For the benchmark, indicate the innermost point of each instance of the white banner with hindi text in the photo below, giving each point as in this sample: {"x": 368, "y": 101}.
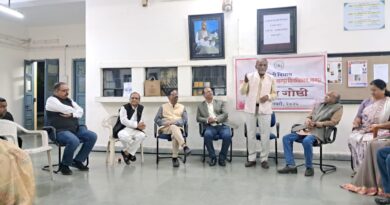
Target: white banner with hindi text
{"x": 300, "y": 80}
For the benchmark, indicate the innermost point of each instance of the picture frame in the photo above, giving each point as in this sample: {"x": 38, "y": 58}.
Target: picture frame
{"x": 206, "y": 36}
{"x": 277, "y": 30}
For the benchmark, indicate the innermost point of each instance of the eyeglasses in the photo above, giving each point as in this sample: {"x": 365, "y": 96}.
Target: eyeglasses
{"x": 134, "y": 98}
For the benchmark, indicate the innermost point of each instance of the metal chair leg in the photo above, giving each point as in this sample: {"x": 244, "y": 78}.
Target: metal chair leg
{"x": 231, "y": 152}
{"x": 142, "y": 153}
{"x": 276, "y": 151}
{"x": 204, "y": 152}
{"x": 157, "y": 152}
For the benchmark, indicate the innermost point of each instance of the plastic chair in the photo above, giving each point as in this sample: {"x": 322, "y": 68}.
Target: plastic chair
{"x": 168, "y": 137}
{"x": 201, "y": 133}
{"x": 9, "y": 128}
{"x": 271, "y": 137}
{"x": 109, "y": 124}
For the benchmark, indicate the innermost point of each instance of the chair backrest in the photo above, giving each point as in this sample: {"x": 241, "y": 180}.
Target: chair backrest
{"x": 110, "y": 122}
{"x": 9, "y": 129}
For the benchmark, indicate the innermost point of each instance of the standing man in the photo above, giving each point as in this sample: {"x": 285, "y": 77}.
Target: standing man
{"x": 129, "y": 127}
{"x": 64, "y": 114}
{"x": 5, "y": 115}
{"x": 260, "y": 89}
{"x": 171, "y": 118}
{"x": 212, "y": 114}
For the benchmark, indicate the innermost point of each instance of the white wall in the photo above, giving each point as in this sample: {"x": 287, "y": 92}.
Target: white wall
{"x": 47, "y": 42}
{"x": 63, "y": 42}
{"x": 11, "y": 67}
{"x": 121, "y": 33}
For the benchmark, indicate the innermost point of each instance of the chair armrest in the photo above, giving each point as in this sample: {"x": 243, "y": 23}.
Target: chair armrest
{"x": 51, "y": 132}
{"x": 277, "y": 129}
{"x": 232, "y": 131}
{"x": 245, "y": 130}
{"x": 155, "y": 130}
{"x": 201, "y": 129}
{"x": 186, "y": 129}
{"x": 332, "y": 132}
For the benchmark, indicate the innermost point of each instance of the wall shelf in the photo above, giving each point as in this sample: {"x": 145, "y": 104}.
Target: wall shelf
{"x": 157, "y": 99}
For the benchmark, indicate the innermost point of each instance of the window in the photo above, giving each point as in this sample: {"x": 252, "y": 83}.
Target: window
{"x": 209, "y": 76}
{"x": 166, "y": 75}
{"x": 113, "y": 79}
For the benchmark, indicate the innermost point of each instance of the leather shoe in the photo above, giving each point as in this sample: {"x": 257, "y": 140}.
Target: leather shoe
{"x": 382, "y": 201}
{"x": 65, "y": 170}
{"x": 265, "y": 165}
{"x": 250, "y": 164}
{"x": 175, "y": 162}
{"x": 309, "y": 172}
{"x": 79, "y": 165}
{"x": 222, "y": 163}
{"x": 132, "y": 158}
{"x": 213, "y": 162}
{"x": 125, "y": 157}
{"x": 288, "y": 170}
{"x": 187, "y": 150}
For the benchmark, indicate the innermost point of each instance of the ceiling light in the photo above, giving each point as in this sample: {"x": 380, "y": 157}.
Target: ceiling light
{"x": 10, "y": 11}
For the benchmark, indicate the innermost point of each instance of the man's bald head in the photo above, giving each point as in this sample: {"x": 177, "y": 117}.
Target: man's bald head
{"x": 332, "y": 97}
{"x": 261, "y": 66}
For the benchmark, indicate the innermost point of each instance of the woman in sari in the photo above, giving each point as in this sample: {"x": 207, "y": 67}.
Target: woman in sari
{"x": 16, "y": 175}
{"x": 367, "y": 180}
{"x": 375, "y": 110}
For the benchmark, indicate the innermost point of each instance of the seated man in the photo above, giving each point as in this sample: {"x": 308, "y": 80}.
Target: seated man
{"x": 171, "y": 118}
{"x": 213, "y": 115}
{"x": 324, "y": 114}
{"x": 383, "y": 161}
{"x": 129, "y": 127}
{"x": 5, "y": 115}
{"x": 63, "y": 114}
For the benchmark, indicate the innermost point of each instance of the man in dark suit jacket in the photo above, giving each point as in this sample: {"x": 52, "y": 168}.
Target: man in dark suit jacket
{"x": 213, "y": 115}
{"x": 5, "y": 115}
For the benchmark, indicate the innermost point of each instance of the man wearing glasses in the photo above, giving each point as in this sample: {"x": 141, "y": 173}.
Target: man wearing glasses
{"x": 129, "y": 127}
{"x": 171, "y": 118}
{"x": 64, "y": 114}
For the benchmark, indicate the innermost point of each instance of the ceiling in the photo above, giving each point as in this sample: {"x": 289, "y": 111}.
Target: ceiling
{"x": 47, "y": 12}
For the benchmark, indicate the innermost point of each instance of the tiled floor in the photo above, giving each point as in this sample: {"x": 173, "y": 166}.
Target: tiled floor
{"x": 192, "y": 183}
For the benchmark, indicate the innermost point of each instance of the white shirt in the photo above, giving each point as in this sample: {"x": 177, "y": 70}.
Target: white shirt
{"x": 132, "y": 123}
{"x": 55, "y": 105}
{"x": 210, "y": 108}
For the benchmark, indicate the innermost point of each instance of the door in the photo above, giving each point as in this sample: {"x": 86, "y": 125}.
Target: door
{"x": 79, "y": 85}
{"x": 29, "y": 99}
{"x": 51, "y": 78}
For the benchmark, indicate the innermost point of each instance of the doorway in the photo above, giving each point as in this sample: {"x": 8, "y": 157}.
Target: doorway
{"x": 79, "y": 85}
{"x": 39, "y": 79}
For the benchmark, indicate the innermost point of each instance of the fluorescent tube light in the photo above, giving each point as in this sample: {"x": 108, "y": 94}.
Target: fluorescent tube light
{"x": 11, "y": 12}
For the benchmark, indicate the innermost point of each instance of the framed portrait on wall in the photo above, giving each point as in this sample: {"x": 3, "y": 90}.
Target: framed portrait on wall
{"x": 206, "y": 33}
{"x": 277, "y": 30}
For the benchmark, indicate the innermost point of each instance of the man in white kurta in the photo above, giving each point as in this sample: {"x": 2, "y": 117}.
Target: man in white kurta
{"x": 259, "y": 89}
{"x": 132, "y": 134}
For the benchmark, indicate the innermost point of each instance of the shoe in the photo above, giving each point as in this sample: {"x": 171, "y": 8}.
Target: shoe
{"x": 250, "y": 164}
{"x": 288, "y": 170}
{"x": 79, "y": 165}
{"x": 265, "y": 165}
{"x": 382, "y": 201}
{"x": 65, "y": 170}
{"x": 175, "y": 162}
{"x": 222, "y": 163}
{"x": 125, "y": 157}
{"x": 213, "y": 162}
{"x": 132, "y": 158}
{"x": 309, "y": 172}
{"x": 187, "y": 150}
